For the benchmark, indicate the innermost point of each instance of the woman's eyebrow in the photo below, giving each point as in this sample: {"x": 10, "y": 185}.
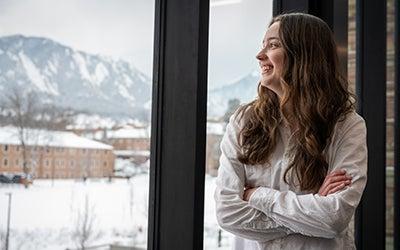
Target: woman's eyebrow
{"x": 271, "y": 38}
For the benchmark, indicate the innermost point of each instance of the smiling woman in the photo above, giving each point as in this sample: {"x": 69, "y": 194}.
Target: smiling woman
{"x": 294, "y": 161}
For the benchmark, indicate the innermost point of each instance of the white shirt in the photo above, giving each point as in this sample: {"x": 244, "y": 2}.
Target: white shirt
{"x": 280, "y": 216}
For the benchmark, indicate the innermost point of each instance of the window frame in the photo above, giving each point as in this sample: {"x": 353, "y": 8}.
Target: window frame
{"x": 178, "y": 128}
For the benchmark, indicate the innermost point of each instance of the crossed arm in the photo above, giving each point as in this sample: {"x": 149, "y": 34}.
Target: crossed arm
{"x": 269, "y": 214}
{"x": 334, "y": 182}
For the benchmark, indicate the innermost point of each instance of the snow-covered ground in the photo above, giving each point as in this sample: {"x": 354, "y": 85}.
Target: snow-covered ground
{"x": 50, "y": 215}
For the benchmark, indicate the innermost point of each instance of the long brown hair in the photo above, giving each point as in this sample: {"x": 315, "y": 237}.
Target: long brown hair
{"x": 315, "y": 98}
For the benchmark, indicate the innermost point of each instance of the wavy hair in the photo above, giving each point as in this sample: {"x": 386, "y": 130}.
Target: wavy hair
{"x": 315, "y": 97}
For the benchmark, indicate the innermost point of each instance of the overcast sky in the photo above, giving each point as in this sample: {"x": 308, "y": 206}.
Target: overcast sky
{"x": 124, "y": 29}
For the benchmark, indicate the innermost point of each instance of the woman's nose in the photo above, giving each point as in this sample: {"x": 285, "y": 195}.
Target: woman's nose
{"x": 261, "y": 55}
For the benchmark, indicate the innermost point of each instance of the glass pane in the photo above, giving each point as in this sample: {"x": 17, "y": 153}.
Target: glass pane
{"x": 389, "y": 124}
{"x": 75, "y": 80}
{"x": 236, "y": 32}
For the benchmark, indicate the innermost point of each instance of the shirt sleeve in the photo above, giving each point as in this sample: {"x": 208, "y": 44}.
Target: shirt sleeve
{"x": 233, "y": 214}
{"x": 322, "y": 216}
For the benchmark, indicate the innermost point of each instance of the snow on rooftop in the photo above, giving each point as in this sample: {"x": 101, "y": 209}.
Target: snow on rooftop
{"x": 132, "y": 152}
{"x": 129, "y": 133}
{"x": 36, "y": 137}
{"x": 84, "y": 121}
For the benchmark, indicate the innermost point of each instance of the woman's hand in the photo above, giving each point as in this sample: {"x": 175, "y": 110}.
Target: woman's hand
{"x": 248, "y": 191}
{"x": 334, "y": 182}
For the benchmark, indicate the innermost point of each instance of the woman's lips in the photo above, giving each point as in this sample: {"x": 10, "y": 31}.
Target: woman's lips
{"x": 266, "y": 68}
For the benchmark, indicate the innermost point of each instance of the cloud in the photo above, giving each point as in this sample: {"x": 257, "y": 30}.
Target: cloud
{"x": 118, "y": 28}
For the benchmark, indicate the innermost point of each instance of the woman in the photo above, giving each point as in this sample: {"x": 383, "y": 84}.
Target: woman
{"x": 294, "y": 161}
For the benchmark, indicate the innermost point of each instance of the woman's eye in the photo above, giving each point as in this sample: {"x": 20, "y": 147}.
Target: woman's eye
{"x": 273, "y": 45}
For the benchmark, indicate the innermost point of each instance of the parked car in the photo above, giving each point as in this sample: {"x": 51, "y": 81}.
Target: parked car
{"x": 5, "y": 178}
{"x": 19, "y": 178}
{"x": 22, "y": 178}
{"x": 16, "y": 178}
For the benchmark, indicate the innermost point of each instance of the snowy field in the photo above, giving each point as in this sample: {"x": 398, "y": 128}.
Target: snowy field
{"x": 60, "y": 214}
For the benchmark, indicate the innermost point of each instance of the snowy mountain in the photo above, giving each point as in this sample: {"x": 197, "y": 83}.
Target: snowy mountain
{"x": 244, "y": 89}
{"x": 73, "y": 79}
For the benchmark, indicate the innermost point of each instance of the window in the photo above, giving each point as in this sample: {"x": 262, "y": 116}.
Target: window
{"x": 233, "y": 74}
{"x": 95, "y": 80}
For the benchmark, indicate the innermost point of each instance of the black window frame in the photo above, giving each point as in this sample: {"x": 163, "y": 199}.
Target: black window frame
{"x": 178, "y": 141}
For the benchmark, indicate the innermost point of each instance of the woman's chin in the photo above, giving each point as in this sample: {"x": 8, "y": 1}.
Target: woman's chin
{"x": 265, "y": 83}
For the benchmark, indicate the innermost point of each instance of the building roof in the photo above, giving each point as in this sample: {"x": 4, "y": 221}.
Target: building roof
{"x": 37, "y": 137}
{"x": 128, "y": 133}
{"x": 128, "y": 153}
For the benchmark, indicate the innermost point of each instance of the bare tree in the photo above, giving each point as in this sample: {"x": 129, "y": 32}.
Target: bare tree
{"x": 52, "y": 117}
{"x": 84, "y": 231}
{"x": 23, "y": 108}
{"x": 25, "y": 112}
{"x": 233, "y": 104}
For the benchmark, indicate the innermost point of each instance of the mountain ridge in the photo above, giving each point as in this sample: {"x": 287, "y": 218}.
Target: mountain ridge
{"x": 244, "y": 89}
{"x": 72, "y": 78}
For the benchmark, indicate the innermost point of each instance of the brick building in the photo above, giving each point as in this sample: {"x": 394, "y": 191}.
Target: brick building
{"x": 130, "y": 143}
{"x": 54, "y": 154}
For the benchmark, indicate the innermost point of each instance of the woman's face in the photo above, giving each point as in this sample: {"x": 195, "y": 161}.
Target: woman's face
{"x": 271, "y": 59}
